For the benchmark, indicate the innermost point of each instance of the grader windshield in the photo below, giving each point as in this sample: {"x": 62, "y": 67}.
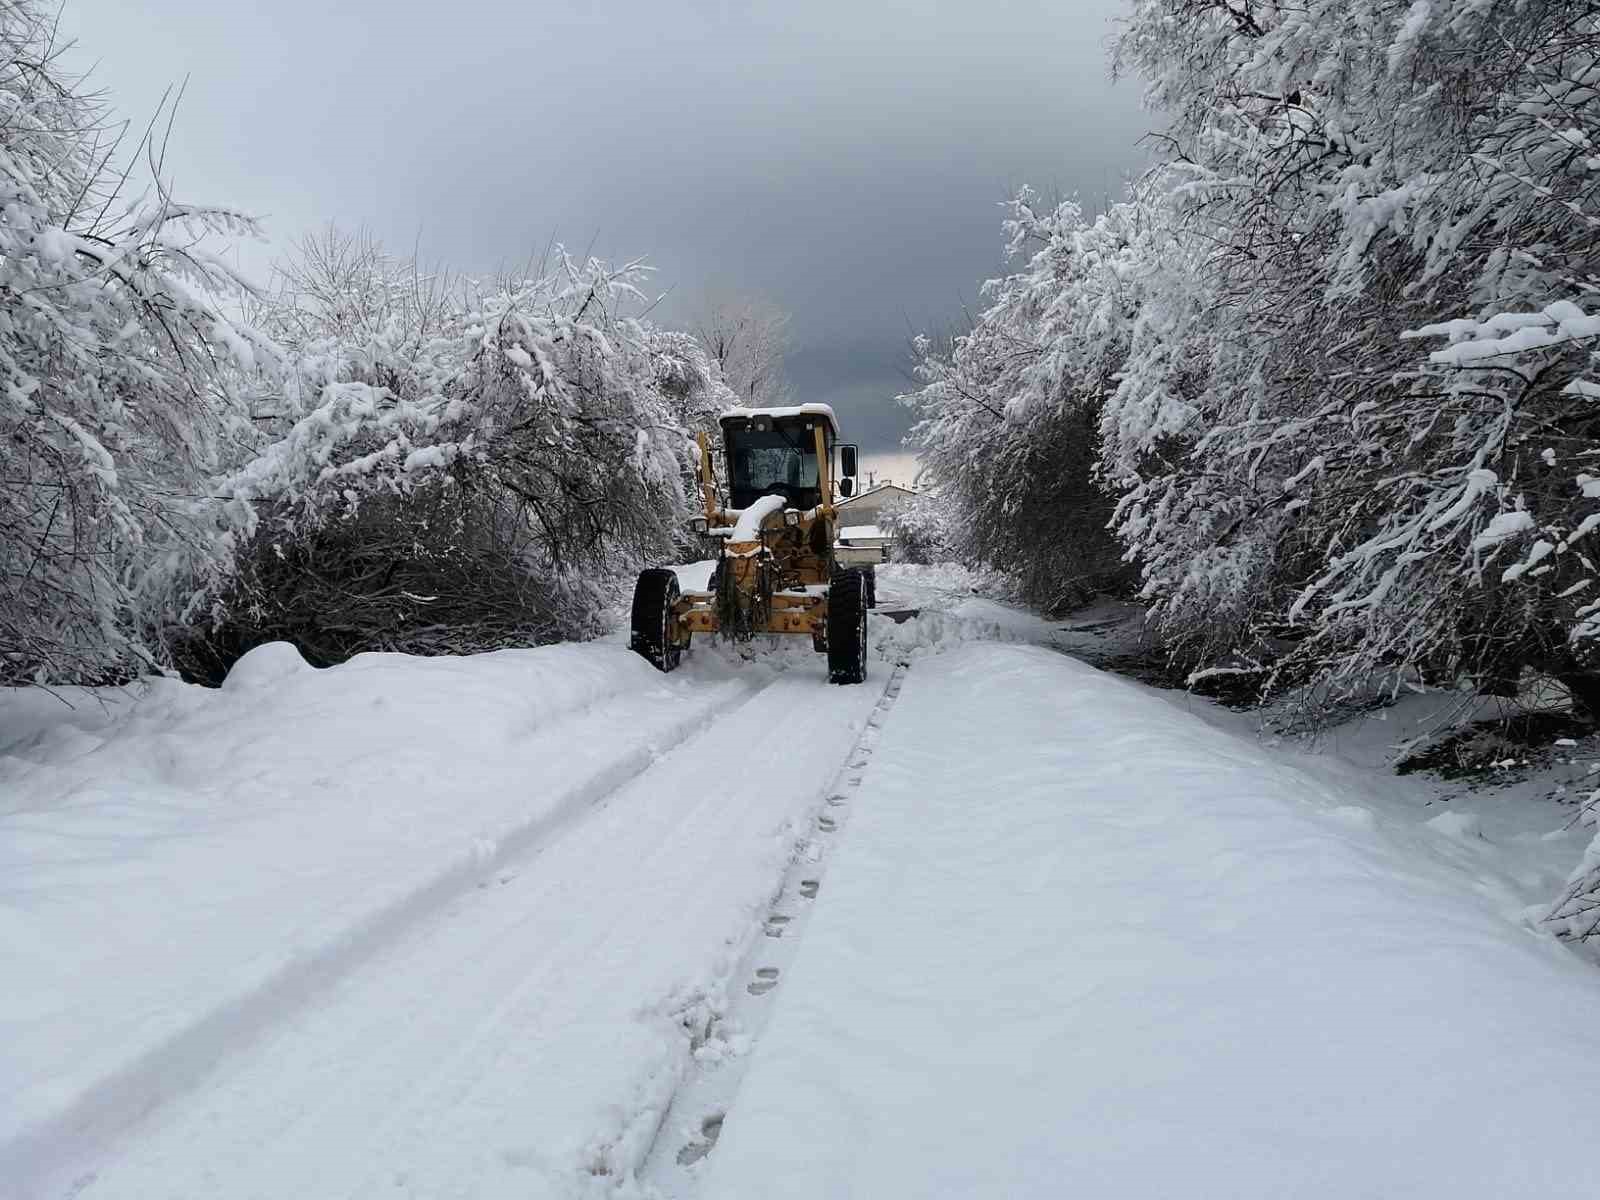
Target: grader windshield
{"x": 773, "y": 462}
{"x": 769, "y": 456}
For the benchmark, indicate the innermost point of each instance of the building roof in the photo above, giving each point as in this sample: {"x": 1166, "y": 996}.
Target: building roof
{"x": 877, "y": 491}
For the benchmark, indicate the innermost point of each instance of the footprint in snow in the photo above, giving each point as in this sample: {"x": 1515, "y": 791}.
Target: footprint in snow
{"x": 766, "y": 980}
{"x": 808, "y": 888}
{"x": 827, "y": 824}
{"x": 775, "y": 925}
{"x": 694, "y": 1151}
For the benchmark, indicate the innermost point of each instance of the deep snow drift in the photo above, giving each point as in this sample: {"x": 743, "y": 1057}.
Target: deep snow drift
{"x": 1079, "y": 942}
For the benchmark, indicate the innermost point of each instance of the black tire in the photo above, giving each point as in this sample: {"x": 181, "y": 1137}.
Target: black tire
{"x": 847, "y": 628}
{"x": 653, "y": 598}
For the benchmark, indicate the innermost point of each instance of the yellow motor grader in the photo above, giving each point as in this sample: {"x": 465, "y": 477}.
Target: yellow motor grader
{"x": 775, "y": 570}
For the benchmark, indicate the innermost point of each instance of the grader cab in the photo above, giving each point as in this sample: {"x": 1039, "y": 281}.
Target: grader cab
{"x": 774, "y": 540}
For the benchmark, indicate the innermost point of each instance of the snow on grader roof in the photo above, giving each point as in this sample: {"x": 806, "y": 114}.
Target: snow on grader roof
{"x": 793, "y": 410}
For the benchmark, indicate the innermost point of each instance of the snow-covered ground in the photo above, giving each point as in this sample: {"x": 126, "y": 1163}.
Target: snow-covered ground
{"x": 548, "y": 923}
{"x": 1078, "y": 942}
{"x": 192, "y": 873}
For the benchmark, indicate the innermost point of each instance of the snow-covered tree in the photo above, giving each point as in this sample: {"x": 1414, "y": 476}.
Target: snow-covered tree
{"x": 345, "y": 310}
{"x": 1470, "y": 546}
{"x": 691, "y": 380}
{"x": 747, "y": 338}
{"x": 1347, "y": 179}
{"x": 1335, "y": 354}
{"x": 118, "y": 370}
{"x": 1010, "y": 409}
{"x": 457, "y": 464}
{"x": 920, "y": 528}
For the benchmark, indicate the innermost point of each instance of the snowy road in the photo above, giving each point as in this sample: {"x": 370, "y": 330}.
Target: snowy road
{"x": 549, "y": 924}
{"x": 541, "y": 1020}
{"x": 481, "y": 979}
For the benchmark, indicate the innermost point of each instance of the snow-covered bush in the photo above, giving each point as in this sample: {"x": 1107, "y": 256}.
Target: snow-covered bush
{"x": 1009, "y": 411}
{"x": 1575, "y": 916}
{"x": 118, "y": 371}
{"x": 457, "y": 465}
{"x": 691, "y": 380}
{"x": 696, "y": 394}
{"x": 1470, "y": 547}
{"x": 920, "y": 528}
{"x": 1335, "y": 354}
{"x": 1345, "y": 180}
{"x": 435, "y": 569}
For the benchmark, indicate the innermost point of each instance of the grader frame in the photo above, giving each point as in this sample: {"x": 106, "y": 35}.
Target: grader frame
{"x": 775, "y": 570}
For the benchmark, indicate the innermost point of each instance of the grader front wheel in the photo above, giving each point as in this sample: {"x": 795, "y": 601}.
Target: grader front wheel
{"x": 653, "y": 598}
{"x": 847, "y": 628}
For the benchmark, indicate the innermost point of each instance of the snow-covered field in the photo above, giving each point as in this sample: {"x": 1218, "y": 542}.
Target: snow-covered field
{"x": 548, "y": 923}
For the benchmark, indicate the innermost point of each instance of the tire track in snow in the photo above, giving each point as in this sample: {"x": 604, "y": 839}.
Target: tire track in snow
{"x": 689, "y": 1129}
{"x": 529, "y": 1037}
{"x": 46, "y": 1159}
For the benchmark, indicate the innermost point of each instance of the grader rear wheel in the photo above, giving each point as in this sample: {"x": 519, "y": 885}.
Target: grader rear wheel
{"x": 847, "y": 628}
{"x": 653, "y": 598}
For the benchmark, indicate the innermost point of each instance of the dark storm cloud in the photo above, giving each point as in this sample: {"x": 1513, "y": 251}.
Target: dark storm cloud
{"x": 844, "y": 160}
{"x": 860, "y": 377}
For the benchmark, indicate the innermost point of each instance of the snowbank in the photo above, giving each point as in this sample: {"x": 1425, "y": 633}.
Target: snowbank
{"x": 925, "y": 610}
{"x": 950, "y": 579}
{"x": 931, "y": 631}
{"x": 1081, "y": 942}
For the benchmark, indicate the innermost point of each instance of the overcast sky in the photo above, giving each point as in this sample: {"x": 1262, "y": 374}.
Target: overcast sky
{"x": 844, "y": 159}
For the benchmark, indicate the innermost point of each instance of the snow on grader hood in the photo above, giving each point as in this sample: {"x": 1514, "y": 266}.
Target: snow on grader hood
{"x": 773, "y": 527}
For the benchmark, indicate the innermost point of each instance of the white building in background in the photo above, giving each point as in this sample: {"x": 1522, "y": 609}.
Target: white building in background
{"x": 866, "y": 507}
